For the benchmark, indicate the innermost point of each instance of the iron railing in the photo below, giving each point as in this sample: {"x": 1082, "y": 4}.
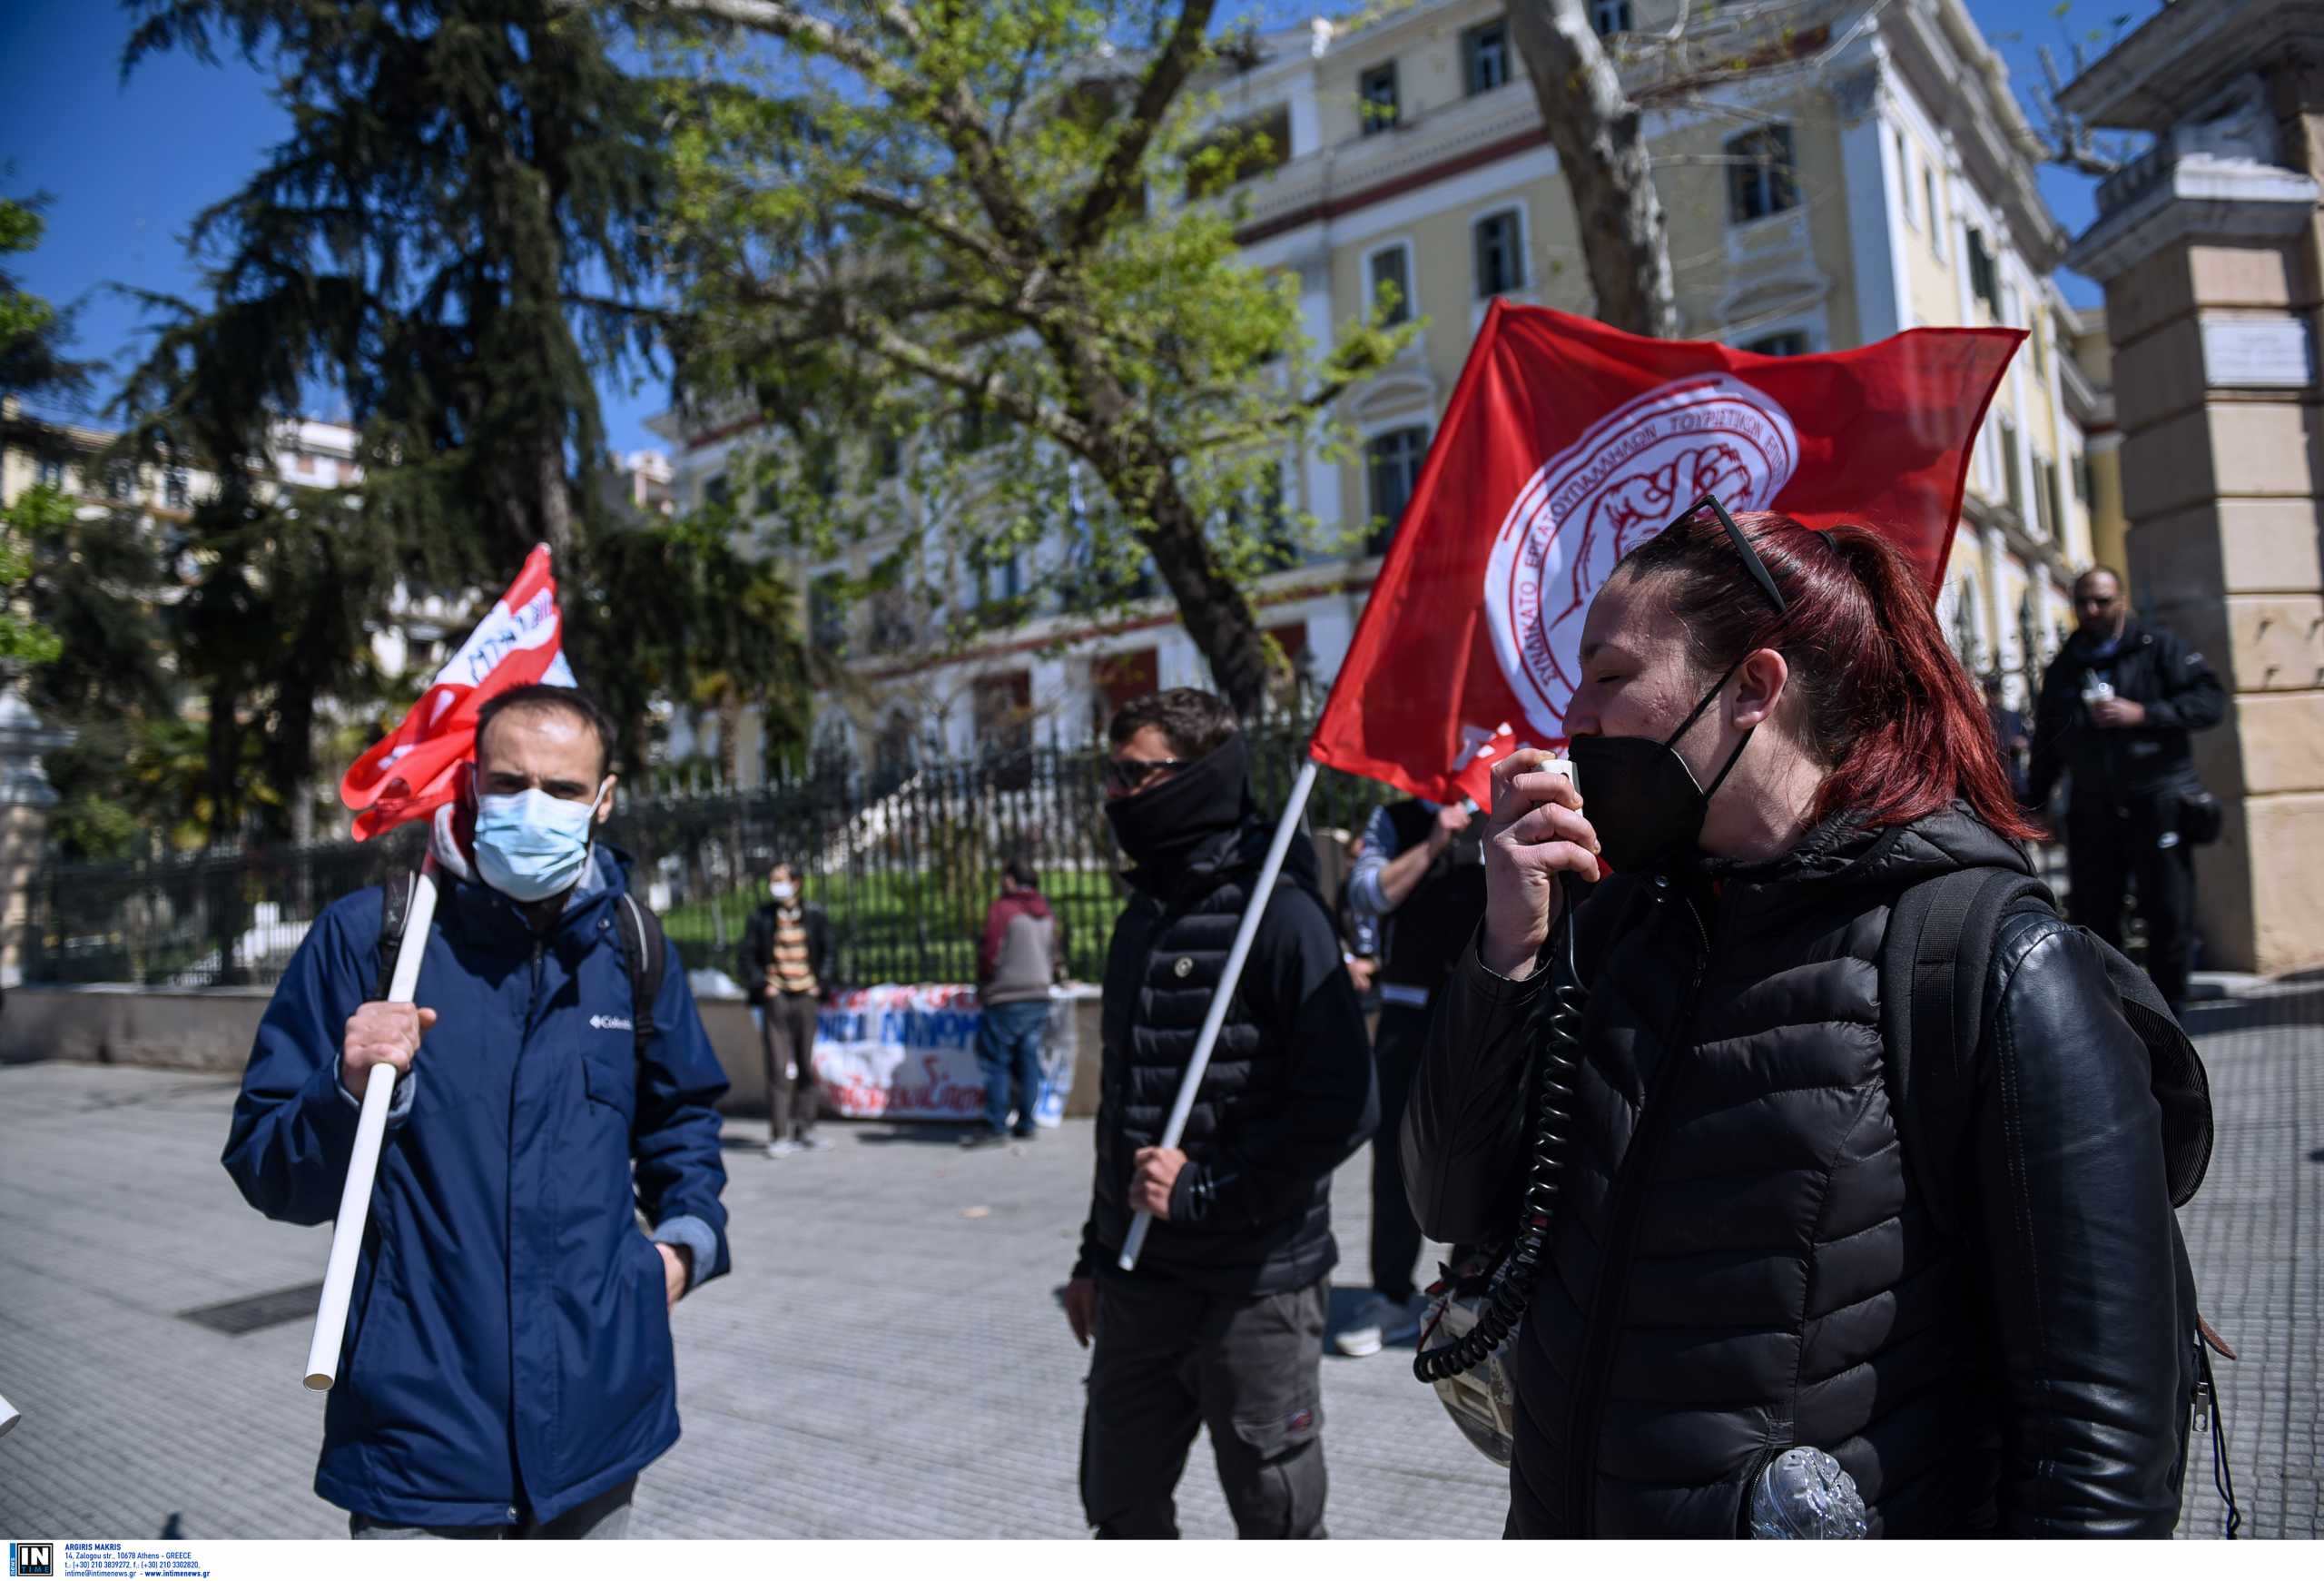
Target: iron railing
{"x": 904, "y": 865}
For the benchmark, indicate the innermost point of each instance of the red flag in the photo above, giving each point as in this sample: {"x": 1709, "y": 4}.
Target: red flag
{"x": 416, "y": 768}
{"x": 1474, "y": 778}
{"x": 1566, "y": 443}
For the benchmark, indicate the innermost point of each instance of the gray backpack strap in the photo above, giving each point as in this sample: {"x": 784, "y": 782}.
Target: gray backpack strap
{"x": 395, "y": 917}
{"x": 646, "y": 954}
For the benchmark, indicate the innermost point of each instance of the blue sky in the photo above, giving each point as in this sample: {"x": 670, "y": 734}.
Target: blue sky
{"x": 129, "y": 165}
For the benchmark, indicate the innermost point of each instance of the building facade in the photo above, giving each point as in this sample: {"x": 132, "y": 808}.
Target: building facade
{"x": 1868, "y": 173}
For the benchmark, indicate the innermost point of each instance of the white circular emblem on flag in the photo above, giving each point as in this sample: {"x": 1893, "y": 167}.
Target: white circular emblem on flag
{"x": 1614, "y": 488}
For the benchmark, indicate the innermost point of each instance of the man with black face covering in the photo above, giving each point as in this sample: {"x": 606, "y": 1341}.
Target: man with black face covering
{"x": 1222, "y": 1322}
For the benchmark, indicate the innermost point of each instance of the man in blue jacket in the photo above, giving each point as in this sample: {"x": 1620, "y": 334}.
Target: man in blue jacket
{"x": 508, "y": 1368}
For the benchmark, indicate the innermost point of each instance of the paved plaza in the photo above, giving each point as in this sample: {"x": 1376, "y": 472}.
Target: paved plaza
{"x": 889, "y": 1358}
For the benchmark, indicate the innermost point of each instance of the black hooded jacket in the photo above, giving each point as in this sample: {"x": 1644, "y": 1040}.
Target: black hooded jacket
{"x": 2112, "y": 768}
{"x": 1289, "y": 1093}
{"x": 1741, "y": 1260}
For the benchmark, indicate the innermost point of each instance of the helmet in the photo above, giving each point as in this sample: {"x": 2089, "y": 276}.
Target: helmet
{"x": 1482, "y": 1401}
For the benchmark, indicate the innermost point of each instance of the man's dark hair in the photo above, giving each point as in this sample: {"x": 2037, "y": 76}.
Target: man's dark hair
{"x": 552, "y": 699}
{"x": 1197, "y": 723}
{"x": 2097, "y": 571}
{"x": 1019, "y": 870}
{"x": 783, "y": 859}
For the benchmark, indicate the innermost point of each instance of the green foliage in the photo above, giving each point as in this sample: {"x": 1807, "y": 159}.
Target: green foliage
{"x": 984, "y": 235}
{"x": 33, "y": 334}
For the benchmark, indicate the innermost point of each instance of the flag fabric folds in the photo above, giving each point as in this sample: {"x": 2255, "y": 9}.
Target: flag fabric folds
{"x": 415, "y": 769}
{"x": 1566, "y": 443}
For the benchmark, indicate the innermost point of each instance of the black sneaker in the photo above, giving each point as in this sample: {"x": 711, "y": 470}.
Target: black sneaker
{"x": 976, "y": 1139}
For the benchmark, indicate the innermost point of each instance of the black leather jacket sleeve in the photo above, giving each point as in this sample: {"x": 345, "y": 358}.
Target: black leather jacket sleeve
{"x": 2079, "y": 1248}
{"x": 1464, "y": 1141}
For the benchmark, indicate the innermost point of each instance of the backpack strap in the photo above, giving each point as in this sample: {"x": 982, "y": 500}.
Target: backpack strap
{"x": 394, "y": 915}
{"x": 1933, "y": 964}
{"x": 646, "y": 955}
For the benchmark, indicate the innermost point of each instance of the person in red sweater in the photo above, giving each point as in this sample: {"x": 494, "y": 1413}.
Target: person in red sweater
{"x": 1020, "y": 955}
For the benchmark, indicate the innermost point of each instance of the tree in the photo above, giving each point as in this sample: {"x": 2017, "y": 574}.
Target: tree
{"x": 990, "y": 246}
{"x": 33, "y": 362}
{"x": 455, "y": 237}
{"x": 1599, "y": 132}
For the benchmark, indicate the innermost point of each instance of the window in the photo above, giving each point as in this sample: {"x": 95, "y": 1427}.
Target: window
{"x": 827, "y": 613}
{"x": 1913, "y": 216}
{"x": 999, "y": 575}
{"x": 2009, "y": 479}
{"x": 1790, "y": 343}
{"x": 1237, "y": 153}
{"x": 1390, "y": 267}
{"x": 1610, "y": 16}
{"x": 1118, "y": 679}
{"x": 891, "y": 455}
{"x": 1984, "y": 283}
{"x": 1484, "y": 56}
{"x": 1500, "y": 254}
{"x": 2037, "y": 340}
{"x": 1003, "y": 711}
{"x": 1391, "y": 462}
{"x": 121, "y": 482}
{"x": 1378, "y": 89}
{"x": 52, "y": 472}
{"x": 1928, "y": 207}
{"x": 2048, "y": 497}
{"x": 176, "y": 492}
{"x": 717, "y": 491}
{"x": 1761, "y": 180}
{"x": 2081, "y": 480}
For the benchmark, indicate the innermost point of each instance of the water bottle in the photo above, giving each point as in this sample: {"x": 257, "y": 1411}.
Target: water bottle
{"x": 2096, "y": 687}
{"x": 1805, "y": 1493}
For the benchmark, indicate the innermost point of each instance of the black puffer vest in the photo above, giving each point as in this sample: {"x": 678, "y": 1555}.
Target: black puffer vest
{"x": 1168, "y": 952}
{"x": 1739, "y": 1265}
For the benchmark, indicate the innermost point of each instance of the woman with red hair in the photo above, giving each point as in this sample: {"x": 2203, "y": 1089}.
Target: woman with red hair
{"x": 1773, "y": 743}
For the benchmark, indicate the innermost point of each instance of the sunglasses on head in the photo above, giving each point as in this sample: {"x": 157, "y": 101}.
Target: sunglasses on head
{"x": 1751, "y": 561}
{"x": 1127, "y": 775}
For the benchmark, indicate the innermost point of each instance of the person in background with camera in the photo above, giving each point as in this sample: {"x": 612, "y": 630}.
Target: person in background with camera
{"x": 1221, "y": 1322}
{"x": 1421, "y": 882}
{"x": 786, "y": 965}
{"x": 1773, "y": 749}
{"x": 2118, "y": 706}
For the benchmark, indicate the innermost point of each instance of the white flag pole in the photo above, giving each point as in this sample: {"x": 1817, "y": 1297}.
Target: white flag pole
{"x": 1261, "y": 893}
{"x": 363, "y": 1168}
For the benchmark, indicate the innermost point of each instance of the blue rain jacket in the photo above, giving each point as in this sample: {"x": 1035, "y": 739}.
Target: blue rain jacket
{"x": 507, "y": 1347}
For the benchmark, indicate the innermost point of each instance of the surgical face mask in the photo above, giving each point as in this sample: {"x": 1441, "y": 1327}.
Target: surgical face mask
{"x": 781, "y": 891}
{"x": 531, "y": 846}
{"x": 1643, "y": 798}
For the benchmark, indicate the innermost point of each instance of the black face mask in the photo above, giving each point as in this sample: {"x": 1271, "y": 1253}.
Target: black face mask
{"x": 1161, "y": 827}
{"x": 1640, "y": 797}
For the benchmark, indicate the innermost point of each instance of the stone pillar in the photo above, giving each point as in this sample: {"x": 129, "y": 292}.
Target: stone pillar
{"x": 2208, "y": 250}
{"x": 26, "y": 796}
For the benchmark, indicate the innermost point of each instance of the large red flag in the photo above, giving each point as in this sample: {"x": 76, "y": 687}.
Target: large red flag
{"x": 414, "y": 769}
{"x": 1566, "y": 443}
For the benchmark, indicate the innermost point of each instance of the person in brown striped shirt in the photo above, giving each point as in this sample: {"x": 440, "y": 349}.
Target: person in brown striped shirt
{"x": 786, "y": 965}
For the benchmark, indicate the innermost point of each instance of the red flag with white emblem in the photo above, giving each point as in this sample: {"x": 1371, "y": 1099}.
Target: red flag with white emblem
{"x": 1568, "y": 442}
{"x": 414, "y": 769}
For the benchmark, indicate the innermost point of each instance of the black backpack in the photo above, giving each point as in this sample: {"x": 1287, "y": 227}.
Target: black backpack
{"x": 1935, "y": 962}
{"x": 644, "y": 951}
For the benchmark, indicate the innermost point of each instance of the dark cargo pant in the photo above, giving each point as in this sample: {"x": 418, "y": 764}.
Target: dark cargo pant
{"x": 1167, "y": 1359}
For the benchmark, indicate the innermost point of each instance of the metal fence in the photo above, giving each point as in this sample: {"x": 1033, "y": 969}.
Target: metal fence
{"x": 904, "y": 866}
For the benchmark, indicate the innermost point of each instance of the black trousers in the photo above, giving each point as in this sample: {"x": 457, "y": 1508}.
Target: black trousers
{"x": 2108, "y": 846}
{"x": 1395, "y": 1233}
{"x": 787, "y": 1041}
{"x": 1166, "y": 1360}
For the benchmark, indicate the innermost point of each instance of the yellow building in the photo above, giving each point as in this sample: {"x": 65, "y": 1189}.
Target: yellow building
{"x": 1869, "y": 172}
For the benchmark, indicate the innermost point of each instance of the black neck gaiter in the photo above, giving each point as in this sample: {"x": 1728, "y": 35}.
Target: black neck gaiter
{"x": 1161, "y": 828}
